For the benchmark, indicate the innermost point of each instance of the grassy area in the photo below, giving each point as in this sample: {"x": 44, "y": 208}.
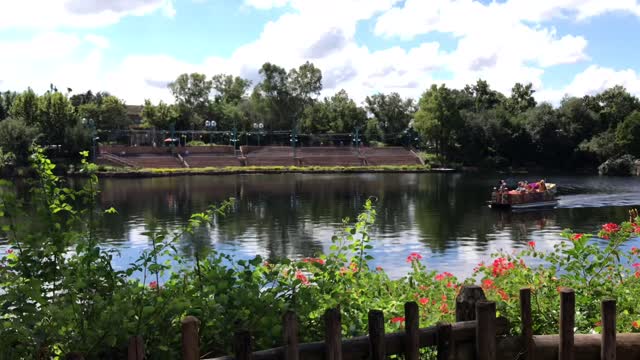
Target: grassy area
{"x": 106, "y": 171}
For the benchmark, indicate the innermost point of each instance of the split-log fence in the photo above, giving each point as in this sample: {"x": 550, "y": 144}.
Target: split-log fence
{"x": 476, "y": 334}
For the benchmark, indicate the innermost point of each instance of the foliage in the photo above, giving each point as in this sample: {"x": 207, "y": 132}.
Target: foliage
{"x": 438, "y": 118}
{"x": 628, "y": 134}
{"x": 622, "y": 166}
{"x": 16, "y": 137}
{"x": 64, "y": 295}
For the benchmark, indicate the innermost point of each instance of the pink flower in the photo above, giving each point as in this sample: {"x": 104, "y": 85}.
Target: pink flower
{"x": 636, "y": 265}
{"x": 153, "y": 284}
{"x": 424, "y": 301}
{"x": 397, "y": 319}
{"x": 300, "y": 276}
{"x": 500, "y": 266}
{"x": 532, "y": 244}
{"x": 10, "y": 251}
{"x": 414, "y": 257}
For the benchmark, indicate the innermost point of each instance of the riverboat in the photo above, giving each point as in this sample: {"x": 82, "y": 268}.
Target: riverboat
{"x": 523, "y": 200}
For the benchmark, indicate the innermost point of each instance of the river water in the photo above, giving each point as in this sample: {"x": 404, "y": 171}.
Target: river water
{"x": 444, "y": 217}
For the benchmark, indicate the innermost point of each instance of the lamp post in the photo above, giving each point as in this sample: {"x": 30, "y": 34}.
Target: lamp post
{"x": 294, "y": 140}
{"x": 258, "y": 127}
{"x": 355, "y": 138}
{"x": 92, "y": 132}
{"x": 210, "y": 124}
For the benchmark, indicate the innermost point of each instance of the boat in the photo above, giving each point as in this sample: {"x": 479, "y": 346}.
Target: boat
{"x": 524, "y": 200}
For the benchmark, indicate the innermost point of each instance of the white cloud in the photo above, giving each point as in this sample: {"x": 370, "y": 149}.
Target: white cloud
{"x": 593, "y": 80}
{"x": 55, "y": 14}
{"x": 266, "y": 4}
{"x": 66, "y": 60}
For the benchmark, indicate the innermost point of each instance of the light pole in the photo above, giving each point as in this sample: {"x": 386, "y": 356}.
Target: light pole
{"x": 258, "y": 127}
{"x": 92, "y": 132}
{"x": 210, "y": 125}
{"x": 294, "y": 140}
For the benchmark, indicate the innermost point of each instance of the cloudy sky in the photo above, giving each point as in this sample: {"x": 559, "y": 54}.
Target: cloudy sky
{"x": 132, "y": 48}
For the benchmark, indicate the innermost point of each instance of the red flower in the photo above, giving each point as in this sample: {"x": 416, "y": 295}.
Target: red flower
{"x": 487, "y": 283}
{"x": 635, "y": 250}
{"x": 300, "y": 276}
{"x": 444, "y": 297}
{"x": 424, "y": 301}
{"x": 500, "y": 266}
{"x": 444, "y": 308}
{"x": 343, "y": 270}
{"x": 637, "y": 274}
{"x": 532, "y": 244}
{"x": 635, "y": 325}
{"x": 423, "y": 287}
{"x": 609, "y": 229}
{"x": 450, "y": 285}
{"x": 313, "y": 260}
{"x": 379, "y": 268}
{"x": 10, "y": 251}
{"x": 153, "y": 285}
{"x": 443, "y": 276}
{"x": 354, "y": 267}
{"x": 576, "y": 237}
{"x": 503, "y": 294}
{"x": 414, "y": 257}
{"x": 598, "y": 323}
{"x": 397, "y": 319}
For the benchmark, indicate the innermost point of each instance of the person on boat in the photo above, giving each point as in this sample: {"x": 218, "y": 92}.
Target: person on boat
{"x": 502, "y": 186}
{"x": 542, "y": 186}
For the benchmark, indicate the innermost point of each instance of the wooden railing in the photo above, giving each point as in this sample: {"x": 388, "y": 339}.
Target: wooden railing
{"x": 476, "y": 334}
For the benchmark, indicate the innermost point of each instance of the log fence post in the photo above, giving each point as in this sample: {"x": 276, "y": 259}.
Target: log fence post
{"x": 135, "y": 351}
{"x": 527, "y": 322}
{"x": 242, "y": 345}
{"x": 412, "y": 334}
{"x": 333, "y": 335}
{"x": 567, "y": 323}
{"x": 190, "y": 339}
{"x": 376, "y": 335}
{"x": 608, "y": 349}
{"x": 291, "y": 351}
{"x": 486, "y": 330}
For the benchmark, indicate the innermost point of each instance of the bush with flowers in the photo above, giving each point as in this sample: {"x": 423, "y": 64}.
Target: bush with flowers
{"x": 61, "y": 294}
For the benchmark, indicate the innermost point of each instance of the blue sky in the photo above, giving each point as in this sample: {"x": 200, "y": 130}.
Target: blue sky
{"x": 132, "y": 48}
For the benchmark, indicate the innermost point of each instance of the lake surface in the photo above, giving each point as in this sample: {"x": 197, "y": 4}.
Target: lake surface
{"x": 444, "y": 217}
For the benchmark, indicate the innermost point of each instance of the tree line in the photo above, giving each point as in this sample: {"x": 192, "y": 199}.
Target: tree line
{"x": 475, "y": 125}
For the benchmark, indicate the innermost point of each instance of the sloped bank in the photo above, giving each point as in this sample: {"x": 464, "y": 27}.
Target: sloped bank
{"x": 144, "y": 173}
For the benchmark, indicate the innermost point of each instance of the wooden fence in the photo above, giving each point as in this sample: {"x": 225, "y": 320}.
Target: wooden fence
{"x": 476, "y": 334}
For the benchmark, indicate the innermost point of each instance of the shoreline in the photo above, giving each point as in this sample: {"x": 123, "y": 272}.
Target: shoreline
{"x": 243, "y": 170}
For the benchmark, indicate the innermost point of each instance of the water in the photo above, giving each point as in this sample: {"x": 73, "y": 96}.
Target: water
{"x": 444, "y": 217}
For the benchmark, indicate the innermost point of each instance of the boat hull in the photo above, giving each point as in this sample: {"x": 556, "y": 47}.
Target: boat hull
{"x": 525, "y": 206}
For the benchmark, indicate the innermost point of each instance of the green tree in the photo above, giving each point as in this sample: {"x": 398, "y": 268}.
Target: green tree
{"x": 392, "y": 114}
{"x": 6, "y": 101}
{"x": 288, "y": 94}
{"x": 55, "y": 115}
{"x": 521, "y": 98}
{"x": 25, "y": 107}
{"x": 113, "y": 114}
{"x": 613, "y": 106}
{"x": 16, "y": 137}
{"x": 160, "y": 116}
{"x": 628, "y": 134}
{"x": 191, "y": 92}
{"x": 229, "y": 89}
{"x": 484, "y": 98}
{"x": 438, "y": 119}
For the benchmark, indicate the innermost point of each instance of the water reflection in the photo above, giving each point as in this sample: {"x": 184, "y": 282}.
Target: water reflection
{"x": 443, "y": 216}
